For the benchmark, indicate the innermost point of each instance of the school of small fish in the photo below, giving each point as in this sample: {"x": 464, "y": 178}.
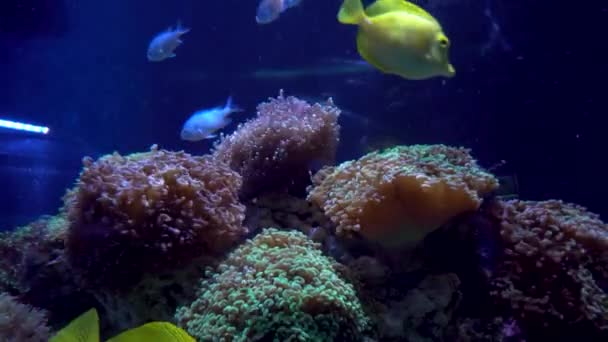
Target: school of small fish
{"x": 395, "y": 36}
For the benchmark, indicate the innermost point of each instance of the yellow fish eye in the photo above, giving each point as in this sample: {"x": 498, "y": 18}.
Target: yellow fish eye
{"x": 443, "y": 42}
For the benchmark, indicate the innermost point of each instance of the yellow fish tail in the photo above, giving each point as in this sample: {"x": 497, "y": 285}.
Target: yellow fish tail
{"x": 154, "y": 331}
{"x": 351, "y": 12}
{"x": 85, "y": 328}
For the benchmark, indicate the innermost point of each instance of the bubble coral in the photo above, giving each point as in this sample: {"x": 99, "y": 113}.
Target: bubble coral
{"x": 20, "y": 322}
{"x": 397, "y": 196}
{"x": 277, "y": 286}
{"x": 274, "y": 151}
{"x": 554, "y": 268}
{"x": 150, "y": 211}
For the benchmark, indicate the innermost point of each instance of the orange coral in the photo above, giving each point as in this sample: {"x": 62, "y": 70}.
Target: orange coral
{"x": 150, "y": 211}
{"x": 274, "y": 151}
{"x": 554, "y": 265}
{"x": 398, "y": 196}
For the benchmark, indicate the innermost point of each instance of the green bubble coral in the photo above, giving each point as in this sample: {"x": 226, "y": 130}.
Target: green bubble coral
{"x": 277, "y": 286}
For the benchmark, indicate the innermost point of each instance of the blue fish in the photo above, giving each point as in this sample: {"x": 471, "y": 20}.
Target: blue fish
{"x": 205, "y": 122}
{"x": 270, "y": 10}
{"x": 164, "y": 44}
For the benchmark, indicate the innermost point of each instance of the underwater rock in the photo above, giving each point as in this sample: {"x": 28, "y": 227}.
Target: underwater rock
{"x": 276, "y": 286}
{"x": 486, "y": 329}
{"x": 424, "y": 313}
{"x": 149, "y": 212}
{"x": 275, "y": 150}
{"x": 396, "y": 197}
{"x": 369, "y": 270}
{"x": 284, "y": 211}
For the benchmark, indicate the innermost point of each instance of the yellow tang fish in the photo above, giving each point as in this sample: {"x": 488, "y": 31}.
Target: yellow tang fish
{"x": 399, "y": 38}
{"x": 85, "y": 328}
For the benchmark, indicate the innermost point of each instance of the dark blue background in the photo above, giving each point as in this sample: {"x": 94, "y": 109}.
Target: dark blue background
{"x": 79, "y": 67}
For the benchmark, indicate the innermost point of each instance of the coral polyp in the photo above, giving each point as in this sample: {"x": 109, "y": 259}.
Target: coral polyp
{"x": 279, "y": 287}
{"x": 151, "y": 211}
{"x": 275, "y": 150}
{"x": 397, "y": 196}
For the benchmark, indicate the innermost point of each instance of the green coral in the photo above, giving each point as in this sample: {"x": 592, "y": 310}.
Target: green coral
{"x": 24, "y": 249}
{"x": 277, "y": 286}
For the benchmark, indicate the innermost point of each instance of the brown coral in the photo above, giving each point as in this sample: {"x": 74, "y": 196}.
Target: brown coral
{"x": 396, "y": 197}
{"x": 151, "y": 211}
{"x": 554, "y": 269}
{"x": 274, "y": 151}
{"x": 20, "y": 322}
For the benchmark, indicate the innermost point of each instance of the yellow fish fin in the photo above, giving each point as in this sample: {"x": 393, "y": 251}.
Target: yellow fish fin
{"x": 385, "y": 6}
{"x": 351, "y": 12}
{"x": 85, "y": 328}
{"x": 364, "y": 49}
{"x": 154, "y": 331}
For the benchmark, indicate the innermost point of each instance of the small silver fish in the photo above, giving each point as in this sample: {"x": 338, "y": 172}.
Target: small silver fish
{"x": 205, "y": 122}
{"x": 270, "y": 10}
{"x": 164, "y": 44}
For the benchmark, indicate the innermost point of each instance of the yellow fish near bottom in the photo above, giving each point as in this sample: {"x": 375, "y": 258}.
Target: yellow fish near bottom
{"x": 85, "y": 328}
{"x": 400, "y": 38}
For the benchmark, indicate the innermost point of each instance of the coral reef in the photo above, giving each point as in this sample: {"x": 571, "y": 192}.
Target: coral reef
{"x": 34, "y": 268}
{"x": 41, "y": 239}
{"x": 397, "y": 196}
{"x": 554, "y": 268}
{"x": 275, "y": 150}
{"x": 20, "y": 322}
{"x": 150, "y": 211}
{"x": 411, "y": 243}
{"x": 277, "y": 286}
